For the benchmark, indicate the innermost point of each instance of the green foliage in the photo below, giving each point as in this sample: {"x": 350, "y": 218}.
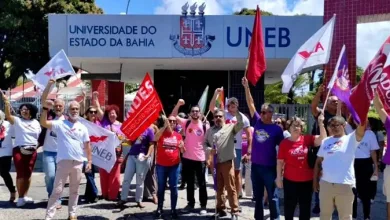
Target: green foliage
{"x": 25, "y": 22}
{"x": 246, "y": 11}
{"x": 131, "y": 87}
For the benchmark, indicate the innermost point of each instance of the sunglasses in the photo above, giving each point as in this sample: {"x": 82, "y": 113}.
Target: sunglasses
{"x": 218, "y": 116}
{"x": 278, "y": 122}
{"x": 93, "y": 112}
{"x": 172, "y": 121}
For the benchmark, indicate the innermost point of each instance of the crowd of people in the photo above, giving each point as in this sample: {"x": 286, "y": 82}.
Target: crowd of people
{"x": 338, "y": 162}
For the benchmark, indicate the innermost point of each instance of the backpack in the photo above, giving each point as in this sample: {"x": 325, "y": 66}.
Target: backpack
{"x": 188, "y": 123}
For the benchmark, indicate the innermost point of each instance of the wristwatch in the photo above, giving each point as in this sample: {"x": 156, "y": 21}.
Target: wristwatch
{"x": 44, "y": 108}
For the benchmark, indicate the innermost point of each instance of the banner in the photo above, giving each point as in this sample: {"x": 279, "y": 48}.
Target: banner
{"x": 103, "y": 144}
{"x": 384, "y": 89}
{"x": 313, "y": 53}
{"x": 58, "y": 67}
{"x": 144, "y": 110}
{"x": 256, "y": 64}
{"x": 340, "y": 85}
{"x": 363, "y": 94}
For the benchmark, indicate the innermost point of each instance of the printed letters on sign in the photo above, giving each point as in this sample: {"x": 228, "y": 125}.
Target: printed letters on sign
{"x": 384, "y": 88}
{"x": 375, "y": 76}
{"x": 143, "y": 94}
{"x": 307, "y": 54}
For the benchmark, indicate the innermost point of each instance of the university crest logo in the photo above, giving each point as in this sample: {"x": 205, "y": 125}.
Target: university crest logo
{"x": 192, "y": 40}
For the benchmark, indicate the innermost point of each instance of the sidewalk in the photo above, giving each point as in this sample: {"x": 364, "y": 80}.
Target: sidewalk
{"x": 106, "y": 210}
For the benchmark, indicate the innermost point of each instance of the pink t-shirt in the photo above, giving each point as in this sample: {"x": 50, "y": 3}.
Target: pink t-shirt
{"x": 193, "y": 142}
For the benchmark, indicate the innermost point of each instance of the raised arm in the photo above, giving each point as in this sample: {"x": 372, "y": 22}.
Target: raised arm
{"x": 240, "y": 123}
{"x": 175, "y": 110}
{"x": 7, "y": 109}
{"x": 379, "y": 108}
{"x": 43, "y": 119}
{"x": 316, "y": 100}
{"x": 360, "y": 130}
{"x": 318, "y": 138}
{"x": 96, "y": 104}
{"x": 46, "y": 91}
{"x": 248, "y": 96}
{"x": 214, "y": 99}
{"x": 157, "y": 136}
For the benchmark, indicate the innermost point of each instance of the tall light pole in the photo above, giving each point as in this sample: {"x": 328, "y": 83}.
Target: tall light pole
{"x": 127, "y": 8}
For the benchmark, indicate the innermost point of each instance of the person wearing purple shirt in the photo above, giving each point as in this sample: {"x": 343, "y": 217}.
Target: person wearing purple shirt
{"x": 386, "y": 158}
{"x": 262, "y": 153}
{"x": 138, "y": 162}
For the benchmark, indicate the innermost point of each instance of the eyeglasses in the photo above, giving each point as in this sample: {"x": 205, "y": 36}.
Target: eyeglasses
{"x": 278, "y": 122}
{"x": 218, "y": 116}
{"x": 172, "y": 121}
{"x": 93, "y": 112}
{"x": 334, "y": 125}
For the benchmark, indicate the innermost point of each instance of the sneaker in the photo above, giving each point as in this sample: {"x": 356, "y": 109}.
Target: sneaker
{"x": 158, "y": 214}
{"x": 28, "y": 199}
{"x": 187, "y": 209}
{"x": 234, "y": 217}
{"x": 316, "y": 209}
{"x": 203, "y": 211}
{"x": 174, "y": 215}
{"x": 222, "y": 213}
{"x": 21, "y": 202}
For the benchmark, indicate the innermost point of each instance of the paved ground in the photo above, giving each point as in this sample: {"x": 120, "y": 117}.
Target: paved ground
{"x": 106, "y": 210}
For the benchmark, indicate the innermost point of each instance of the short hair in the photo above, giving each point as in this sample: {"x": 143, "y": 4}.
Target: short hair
{"x": 60, "y": 100}
{"x": 195, "y": 106}
{"x": 73, "y": 103}
{"x": 182, "y": 115}
{"x": 219, "y": 110}
{"x": 233, "y": 100}
{"x": 338, "y": 119}
{"x": 268, "y": 106}
{"x": 296, "y": 119}
{"x": 32, "y": 108}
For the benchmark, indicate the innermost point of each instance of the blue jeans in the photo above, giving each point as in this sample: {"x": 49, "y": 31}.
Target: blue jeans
{"x": 91, "y": 191}
{"x": 49, "y": 163}
{"x": 264, "y": 176}
{"x": 163, "y": 173}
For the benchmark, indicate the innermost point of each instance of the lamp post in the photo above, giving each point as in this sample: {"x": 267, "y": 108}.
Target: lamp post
{"x": 127, "y": 8}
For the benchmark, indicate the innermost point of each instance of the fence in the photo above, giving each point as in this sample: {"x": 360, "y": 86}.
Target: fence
{"x": 302, "y": 111}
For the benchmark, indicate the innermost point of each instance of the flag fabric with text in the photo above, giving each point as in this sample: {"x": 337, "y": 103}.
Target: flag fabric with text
{"x": 58, "y": 67}
{"x": 384, "y": 89}
{"x": 340, "y": 83}
{"x": 313, "y": 53}
{"x": 144, "y": 110}
{"x": 372, "y": 77}
{"x": 256, "y": 64}
{"x": 203, "y": 100}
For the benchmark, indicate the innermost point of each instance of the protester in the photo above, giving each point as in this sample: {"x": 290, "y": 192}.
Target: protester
{"x": 27, "y": 130}
{"x": 169, "y": 145}
{"x": 6, "y": 134}
{"x": 138, "y": 162}
{"x": 232, "y": 109}
{"x": 336, "y": 156}
{"x": 386, "y": 157}
{"x": 110, "y": 181}
{"x": 49, "y": 143}
{"x": 293, "y": 172}
{"x": 194, "y": 157}
{"x": 262, "y": 153}
{"x": 150, "y": 189}
{"x": 220, "y": 141}
{"x": 73, "y": 139}
{"x": 284, "y": 125}
{"x": 365, "y": 158}
{"x": 91, "y": 190}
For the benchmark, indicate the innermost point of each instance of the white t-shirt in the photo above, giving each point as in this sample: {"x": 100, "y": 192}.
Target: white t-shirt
{"x": 380, "y": 136}
{"x": 26, "y": 131}
{"x": 232, "y": 119}
{"x": 348, "y": 128}
{"x": 367, "y": 144}
{"x": 339, "y": 156}
{"x": 6, "y": 146}
{"x": 50, "y": 143}
{"x": 70, "y": 138}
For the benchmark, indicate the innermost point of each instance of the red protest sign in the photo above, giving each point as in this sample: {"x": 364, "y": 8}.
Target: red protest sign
{"x": 144, "y": 110}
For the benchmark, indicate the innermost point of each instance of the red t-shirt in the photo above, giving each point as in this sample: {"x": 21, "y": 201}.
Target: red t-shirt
{"x": 168, "y": 152}
{"x": 294, "y": 154}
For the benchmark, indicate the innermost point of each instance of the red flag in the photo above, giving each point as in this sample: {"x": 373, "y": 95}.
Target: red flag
{"x": 256, "y": 64}
{"x": 144, "y": 110}
{"x": 363, "y": 94}
{"x": 384, "y": 89}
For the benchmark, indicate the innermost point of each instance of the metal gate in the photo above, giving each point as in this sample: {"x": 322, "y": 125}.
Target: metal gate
{"x": 302, "y": 111}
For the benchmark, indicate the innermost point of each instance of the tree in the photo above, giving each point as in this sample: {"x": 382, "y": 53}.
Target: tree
{"x": 25, "y": 23}
{"x": 246, "y": 11}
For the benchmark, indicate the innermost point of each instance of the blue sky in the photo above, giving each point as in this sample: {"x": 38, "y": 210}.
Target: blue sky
{"x": 149, "y": 6}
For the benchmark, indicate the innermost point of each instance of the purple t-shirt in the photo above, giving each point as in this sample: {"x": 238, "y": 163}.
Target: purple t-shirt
{"x": 265, "y": 139}
{"x": 141, "y": 145}
{"x": 116, "y": 128}
{"x": 386, "y": 157}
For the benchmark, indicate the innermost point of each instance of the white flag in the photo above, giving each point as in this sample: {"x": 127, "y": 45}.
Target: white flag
{"x": 314, "y": 52}
{"x": 58, "y": 67}
{"x": 103, "y": 144}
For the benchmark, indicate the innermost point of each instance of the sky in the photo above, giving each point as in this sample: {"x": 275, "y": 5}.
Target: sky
{"x": 370, "y": 36}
